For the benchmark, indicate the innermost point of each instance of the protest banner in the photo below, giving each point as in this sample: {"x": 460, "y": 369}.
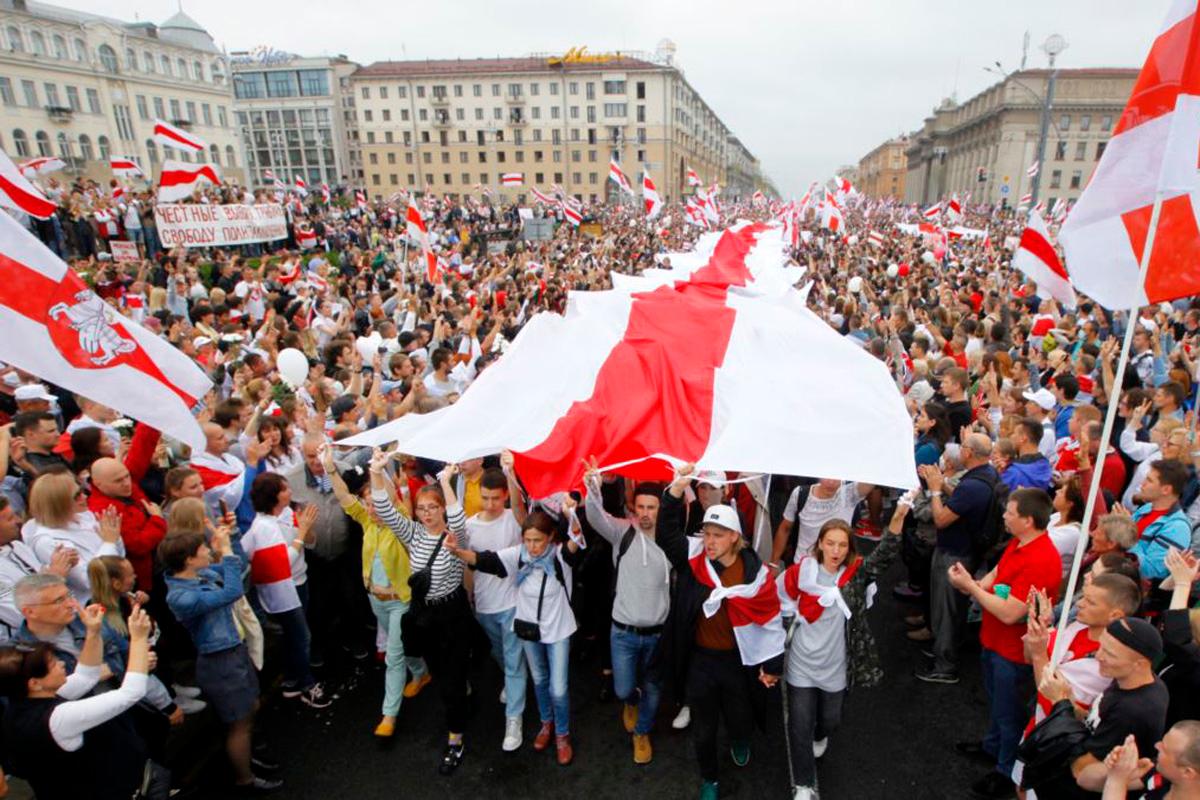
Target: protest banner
{"x": 198, "y": 225}
{"x": 123, "y": 251}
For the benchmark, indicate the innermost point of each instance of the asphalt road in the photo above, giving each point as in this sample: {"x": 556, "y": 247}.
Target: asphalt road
{"x": 896, "y": 742}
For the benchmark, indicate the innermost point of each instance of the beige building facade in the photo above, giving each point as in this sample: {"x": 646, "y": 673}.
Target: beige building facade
{"x": 456, "y": 126}
{"x": 882, "y": 172}
{"x": 985, "y": 145}
{"x": 84, "y": 87}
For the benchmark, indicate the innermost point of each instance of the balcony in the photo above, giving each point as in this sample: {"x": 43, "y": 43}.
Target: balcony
{"x": 440, "y": 100}
{"x": 186, "y": 124}
{"x": 442, "y": 120}
{"x": 60, "y": 114}
{"x": 515, "y": 99}
{"x": 517, "y": 122}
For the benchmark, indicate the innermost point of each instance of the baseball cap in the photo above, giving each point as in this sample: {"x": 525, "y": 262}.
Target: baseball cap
{"x": 724, "y": 516}
{"x": 1043, "y": 397}
{"x": 200, "y": 341}
{"x": 32, "y": 391}
{"x": 1138, "y": 635}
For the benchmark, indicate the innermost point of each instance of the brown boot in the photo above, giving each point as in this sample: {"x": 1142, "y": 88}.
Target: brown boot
{"x": 643, "y": 753}
{"x": 565, "y": 754}
{"x": 542, "y": 740}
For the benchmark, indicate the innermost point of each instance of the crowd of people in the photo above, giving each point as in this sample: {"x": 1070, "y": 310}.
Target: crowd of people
{"x": 141, "y": 582}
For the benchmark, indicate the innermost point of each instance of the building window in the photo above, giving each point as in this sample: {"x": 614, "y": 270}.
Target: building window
{"x": 466, "y": 178}
{"x": 370, "y": 137}
{"x": 614, "y": 87}
{"x": 165, "y": 64}
{"x": 206, "y": 111}
{"x": 535, "y": 89}
{"x": 142, "y": 107}
{"x": 394, "y": 179}
{"x": 73, "y": 98}
{"x": 1100, "y": 149}
{"x": 15, "y": 42}
{"x": 616, "y": 110}
{"x": 191, "y": 111}
{"x": 1080, "y": 151}
{"x": 108, "y": 58}
{"x": 198, "y": 72}
{"x": 21, "y": 143}
{"x": 375, "y": 179}
{"x": 281, "y": 84}
{"x": 159, "y": 109}
{"x": 641, "y": 113}
{"x": 554, "y": 112}
{"x": 383, "y": 93}
{"x": 573, "y": 87}
{"x": 85, "y": 147}
{"x": 479, "y": 138}
{"x": 130, "y": 59}
{"x": 43, "y": 143}
{"x": 423, "y": 114}
{"x": 175, "y": 112}
{"x": 497, "y": 113}
{"x": 554, "y": 88}
{"x": 641, "y": 90}
{"x": 1064, "y": 122}
{"x": 230, "y": 156}
{"x": 1106, "y": 122}
{"x": 1056, "y": 179}
{"x": 366, "y": 93}
{"x": 214, "y": 154}
{"x": 591, "y": 112}
{"x": 37, "y": 43}
{"x": 315, "y": 82}
{"x": 591, "y": 90}
{"x": 500, "y": 157}
{"x": 124, "y": 122}
{"x": 482, "y": 156}
{"x": 1085, "y": 122}
{"x": 80, "y": 50}
{"x": 420, "y": 91}
{"x": 458, "y": 90}
{"x": 477, "y": 90}
{"x": 372, "y": 158}
{"x": 182, "y": 67}
{"x": 402, "y": 92}
{"x": 387, "y": 115}
{"x": 464, "y": 157}
{"x": 460, "y": 114}
{"x": 1076, "y": 178}
{"x": 29, "y": 89}
{"x": 574, "y": 112}
{"x": 404, "y": 115}
{"x": 368, "y": 115}
{"x": 6, "y": 92}
{"x": 1060, "y": 151}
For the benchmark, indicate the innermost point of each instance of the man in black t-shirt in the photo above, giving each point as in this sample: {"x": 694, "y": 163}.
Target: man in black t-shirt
{"x": 954, "y": 387}
{"x": 1176, "y": 776}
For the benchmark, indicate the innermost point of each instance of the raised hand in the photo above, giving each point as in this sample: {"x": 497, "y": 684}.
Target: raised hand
{"x": 139, "y": 624}
{"x": 110, "y": 524}
{"x": 92, "y": 617}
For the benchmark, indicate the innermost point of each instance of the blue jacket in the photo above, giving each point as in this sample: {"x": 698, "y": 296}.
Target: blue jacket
{"x": 1033, "y": 470}
{"x": 204, "y": 605}
{"x": 1172, "y": 529}
{"x": 114, "y": 648}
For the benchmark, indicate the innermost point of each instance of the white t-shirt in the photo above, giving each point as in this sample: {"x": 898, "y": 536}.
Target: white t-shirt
{"x": 492, "y": 594}
{"x": 818, "y": 511}
{"x": 558, "y": 620}
{"x": 1065, "y": 537}
{"x": 252, "y": 293}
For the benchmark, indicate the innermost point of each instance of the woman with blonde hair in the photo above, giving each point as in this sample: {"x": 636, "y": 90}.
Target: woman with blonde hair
{"x": 60, "y": 520}
{"x": 113, "y": 584}
{"x": 187, "y": 515}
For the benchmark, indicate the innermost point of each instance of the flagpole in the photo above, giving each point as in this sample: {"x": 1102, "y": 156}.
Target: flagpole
{"x": 1060, "y": 640}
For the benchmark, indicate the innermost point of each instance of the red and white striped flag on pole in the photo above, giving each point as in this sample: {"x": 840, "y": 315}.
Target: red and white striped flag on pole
{"x": 954, "y": 210}
{"x": 542, "y": 197}
{"x": 512, "y": 179}
{"x": 301, "y": 186}
{"x": 42, "y": 165}
{"x": 416, "y": 230}
{"x": 1026, "y": 199}
{"x": 933, "y": 212}
{"x": 618, "y": 177}
{"x": 1033, "y": 169}
{"x": 692, "y": 178}
{"x": 178, "y": 180}
{"x": 53, "y": 326}
{"x": 571, "y": 215}
{"x": 875, "y": 238}
{"x": 167, "y": 134}
{"x": 650, "y": 197}
{"x": 16, "y": 192}
{"x": 1036, "y": 258}
{"x": 125, "y": 166}
{"x": 831, "y": 213}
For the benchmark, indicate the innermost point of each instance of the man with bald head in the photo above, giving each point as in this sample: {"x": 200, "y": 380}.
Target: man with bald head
{"x": 115, "y": 484}
{"x": 959, "y": 519}
{"x": 226, "y": 477}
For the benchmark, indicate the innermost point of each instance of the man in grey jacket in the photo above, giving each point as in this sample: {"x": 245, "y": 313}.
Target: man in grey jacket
{"x": 643, "y": 582}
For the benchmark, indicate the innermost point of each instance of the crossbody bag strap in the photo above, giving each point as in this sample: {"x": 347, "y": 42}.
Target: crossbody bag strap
{"x": 541, "y": 597}
{"x": 436, "y": 550}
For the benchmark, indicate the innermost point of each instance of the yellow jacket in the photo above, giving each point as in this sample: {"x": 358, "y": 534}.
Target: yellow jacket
{"x": 379, "y": 539}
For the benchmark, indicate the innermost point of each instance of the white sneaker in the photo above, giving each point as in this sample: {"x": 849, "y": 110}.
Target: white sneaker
{"x": 504, "y": 696}
{"x": 512, "y": 734}
{"x": 187, "y": 691}
{"x": 819, "y": 747}
{"x": 804, "y": 793}
{"x": 682, "y": 719}
{"x": 189, "y": 705}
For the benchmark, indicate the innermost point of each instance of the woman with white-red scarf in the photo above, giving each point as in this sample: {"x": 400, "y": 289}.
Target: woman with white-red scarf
{"x": 724, "y": 624}
{"x": 830, "y": 647}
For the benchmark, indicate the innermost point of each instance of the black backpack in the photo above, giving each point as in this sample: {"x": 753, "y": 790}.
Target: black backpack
{"x": 992, "y": 536}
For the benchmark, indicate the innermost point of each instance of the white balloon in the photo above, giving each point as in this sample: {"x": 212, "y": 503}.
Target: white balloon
{"x": 927, "y": 257}
{"x": 852, "y": 240}
{"x": 368, "y": 346}
{"x": 893, "y": 270}
{"x": 855, "y": 284}
{"x": 293, "y": 366}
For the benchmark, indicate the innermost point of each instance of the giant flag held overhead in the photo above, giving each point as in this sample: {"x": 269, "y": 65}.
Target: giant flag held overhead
{"x": 725, "y": 312}
{"x": 1036, "y": 258}
{"x": 1150, "y": 159}
{"x": 178, "y": 180}
{"x": 167, "y": 134}
{"x": 53, "y": 326}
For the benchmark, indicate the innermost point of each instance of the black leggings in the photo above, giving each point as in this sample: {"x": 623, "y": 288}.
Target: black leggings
{"x": 441, "y": 634}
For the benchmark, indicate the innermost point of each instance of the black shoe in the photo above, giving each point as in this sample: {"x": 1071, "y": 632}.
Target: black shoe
{"x": 930, "y": 675}
{"x": 357, "y": 651}
{"x": 315, "y": 697}
{"x": 927, "y": 653}
{"x": 259, "y": 786}
{"x": 975, "y": 752}
{"x": 993, "y": 786}
{"x": 452, "y": 758}
{"x": 262, "y": 763}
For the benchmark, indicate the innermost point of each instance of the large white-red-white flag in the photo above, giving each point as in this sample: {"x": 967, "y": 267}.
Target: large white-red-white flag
{"x": 1152, "y": 155}
{"x": 650, "y": 197}
{"x": 1036, "y": 258}
{"x": 618, "y": 177}
{"x": 512, "y": 179}
{"x": 167, "y": 134}
{"x": 53, "y": 326}
{"x": 42, "y": 165}
{"x": 125, "y": 166}
{"x": 16, "y": 192}
{"x": 178, "y": 180}
{"x": 678, "y": 367}
{"x": 415, "y": 225}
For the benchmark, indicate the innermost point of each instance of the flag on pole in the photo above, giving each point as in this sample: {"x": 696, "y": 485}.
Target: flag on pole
{"x": 1033, "y": 169}
{"x": 301, "y": 186}
{"x": 933, "y": 212}
{"x": 268, "y": 175}
{"x": 875, "y": 238}
{"x": 512, "y": 179}
{"x": 650, "y": 198}
{"x": 1152, "y": 156}
{"x": 954, "y": 210}
{"x": 831, "y": 213}
{"x": 42, "y": 165}
{"x": 692, "y": 178}
{"x": 618, "y": 177}
{"x": 178, "y": 180}
{"x": 542, "y": 197}
{"x": 758, "y": 198}
{"x": 53, "y": 326}
{"x": 167, "y": 134}
{"x": 1036, "y": 258}
{"x": 415, "y": 225}
{"x": 572, "y": 215}
{"x": 1026, "y": 199}
{"x": 125, "y": 166}
{"x": 16, "y": 192}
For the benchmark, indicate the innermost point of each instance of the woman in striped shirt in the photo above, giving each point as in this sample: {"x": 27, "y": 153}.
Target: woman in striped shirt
{"x": 438, "y": 627}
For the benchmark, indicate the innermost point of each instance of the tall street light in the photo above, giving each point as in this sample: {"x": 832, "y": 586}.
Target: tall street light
{"x": 1053, "y": 45}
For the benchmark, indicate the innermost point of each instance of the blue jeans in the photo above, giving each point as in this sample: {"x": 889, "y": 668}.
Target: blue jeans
{"x": 1006, "y": 683}
{"x": 507, "y": 650}
{"x": 389, "y": 613}
{"x": 548, "y": 666}
{"x": 631, "y": 656}
{"x": 296, "y": 671}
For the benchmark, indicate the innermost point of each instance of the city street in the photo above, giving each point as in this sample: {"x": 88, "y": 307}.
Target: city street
{"x": 897, "y": 741}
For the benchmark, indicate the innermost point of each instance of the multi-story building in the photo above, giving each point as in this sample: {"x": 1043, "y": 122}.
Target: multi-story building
{"x": 986, "y": 145}
{"x": 450, "y": 126}
{"x": 742, "y": 171}
{"x": 881, "y": 172}
{"x": 84, "y": 87}
{"x": 296, "y": 117}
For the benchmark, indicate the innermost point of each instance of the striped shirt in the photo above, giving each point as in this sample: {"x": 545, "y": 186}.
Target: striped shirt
{"x": 447, "y": 569}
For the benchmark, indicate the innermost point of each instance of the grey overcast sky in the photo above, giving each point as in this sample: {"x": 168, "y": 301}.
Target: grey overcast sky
{"x": 806, "y": 85}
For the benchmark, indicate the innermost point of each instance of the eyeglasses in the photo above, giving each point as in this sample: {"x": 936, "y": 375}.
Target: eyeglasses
{"x": 428, "y": 509}
{"x": 63, "y": 600}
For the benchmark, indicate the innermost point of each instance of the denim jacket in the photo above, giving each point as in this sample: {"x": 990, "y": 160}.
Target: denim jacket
{"x": 204, "y": 605}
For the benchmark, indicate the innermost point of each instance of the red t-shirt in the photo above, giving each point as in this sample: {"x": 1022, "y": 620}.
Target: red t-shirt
{"x": 1037, "y": 564}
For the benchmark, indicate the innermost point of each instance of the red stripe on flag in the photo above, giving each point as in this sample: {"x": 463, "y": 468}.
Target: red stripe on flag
{"x": 1171, "y": 69}
{"x": 1174, "y": 269}
{"x": 31, "y": 204}
{"x": 654, "y": 393}
{"x": 1037, "y": 244}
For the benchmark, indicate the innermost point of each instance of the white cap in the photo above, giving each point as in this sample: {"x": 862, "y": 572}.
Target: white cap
{"x": 711, "y": 477}
{"x": 1043, "y": 397}
{"x": 724, "y": 516}
{"x": 32, "y": 391}
{"x": 200, "y": 341}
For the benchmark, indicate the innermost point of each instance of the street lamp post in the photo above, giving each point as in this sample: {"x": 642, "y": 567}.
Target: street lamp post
{"x": 1053, "y": 45}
